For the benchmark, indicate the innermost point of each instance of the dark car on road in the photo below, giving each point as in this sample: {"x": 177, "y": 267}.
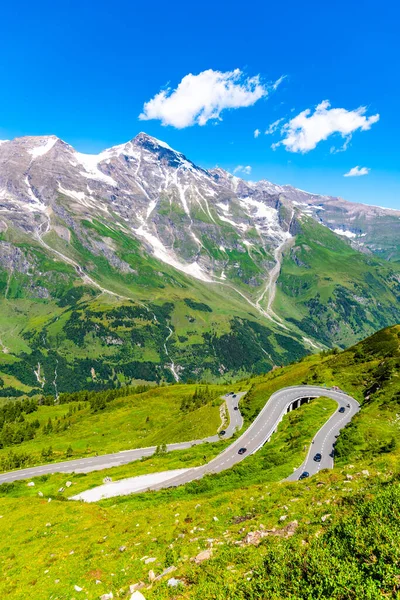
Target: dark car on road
{"x": 341, "y": 409}
{"x": 242, "y": 450}
{"x": 332, "y": 454}
{"x": 235, "y": 408}
{"x": 233, "y": 395}
{"x": 304, "y": 475}
{"x": 318, "y": 457}
{"x": 223, "y": 432}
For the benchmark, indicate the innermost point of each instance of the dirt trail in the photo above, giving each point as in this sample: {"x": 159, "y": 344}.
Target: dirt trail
{"x": 39, "y": 236}
{"x": 4, "y": 347}
{"x": 270, "y": 288}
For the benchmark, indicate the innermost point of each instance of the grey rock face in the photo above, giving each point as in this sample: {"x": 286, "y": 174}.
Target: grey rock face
{"x": 194, "y": 219}
{"x": 14, "y": 259}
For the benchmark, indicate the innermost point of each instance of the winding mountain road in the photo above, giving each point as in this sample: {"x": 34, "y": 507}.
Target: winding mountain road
{"x": 98, "y": 463}
{"x": 262, "y": 428}
{"x": 259, "y": 432}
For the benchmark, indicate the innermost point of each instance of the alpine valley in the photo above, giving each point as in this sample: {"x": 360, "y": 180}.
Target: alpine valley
{"x": 137, "y": 265}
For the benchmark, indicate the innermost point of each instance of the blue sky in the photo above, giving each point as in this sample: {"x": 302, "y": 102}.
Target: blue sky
{"x": 84, "y": 70}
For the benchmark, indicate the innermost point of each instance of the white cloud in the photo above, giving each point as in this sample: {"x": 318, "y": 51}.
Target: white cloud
{"x": 256, "y": 133}
{"x": 278, "y": 82}
{"x": 199, "y": 98}
{"x": 273, "y": 127}
{"x": 242, "y": 169}
{"x": 342, "y": 148}
{"x": 357, "y": 172}
{"x": 306, "y": 130}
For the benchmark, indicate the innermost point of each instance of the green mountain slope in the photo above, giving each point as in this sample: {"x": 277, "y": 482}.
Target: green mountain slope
{"x": 95, "y": 327}
{"x": 335, "y": 535}
{"x": 333, "y": 293}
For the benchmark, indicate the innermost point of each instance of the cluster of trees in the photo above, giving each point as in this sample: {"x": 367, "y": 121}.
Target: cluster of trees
{"x": 16, "y": 433}
{"x": 97, "y": 397}
{"x": 58, "y": 425}
{"x": 197, "y": 305}
{"x": 11, "y": 411}
{"x": 14, "y": 460}
{"x": 200, "y": 397}
{"x": 14, "y": 429}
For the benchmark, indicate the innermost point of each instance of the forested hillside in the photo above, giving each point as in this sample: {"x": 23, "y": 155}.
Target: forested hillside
{"x": 334, "y": 535}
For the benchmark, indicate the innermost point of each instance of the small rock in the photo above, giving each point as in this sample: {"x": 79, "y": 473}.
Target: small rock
{"x": 253, "y": 538}
{"x": 68, "y": 484}
{"x": 107, "y": 480}
{"x": 77, "y": 588}
{"x": 40, "y": 494}
{"x": 97, "y": 582}
{"x": 151, "y": 575}
{"x": 108, "y": 596}
{"x": 122, "y": 548}
{"x": 325, "y": 517}
{"x": 149, "y": 560}
{"x": 49, "y": 500}
{"x": 365, "y": 472}
{"x": 173, "y": 582}
{"x": 215, "y": 518}
{"x": 48, "y": 524}
{"x": 61, "y": 490}
{"x": 56, "y": 581}
{"x": 31, "y": 484}
{"x": 137, "y": 596}
{"x": 202, "y": 556}
{"x": 283, "y": 518}
{"x": 197, "y": 506}
{"x": 349, "y": 477}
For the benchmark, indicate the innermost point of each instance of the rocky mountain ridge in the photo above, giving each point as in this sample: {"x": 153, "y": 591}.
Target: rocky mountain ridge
{"x": 136, "y": 264}
{"x": 168, "y": 203}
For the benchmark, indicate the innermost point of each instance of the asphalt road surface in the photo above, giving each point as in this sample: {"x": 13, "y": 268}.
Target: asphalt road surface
{"x": 251, "y": 440}
{"x": 264, "y": 426}
{"x": 98, "y": 463}
{"x": 324, "y": 440}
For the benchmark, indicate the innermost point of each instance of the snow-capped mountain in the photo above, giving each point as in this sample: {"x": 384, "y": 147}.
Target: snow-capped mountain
{"x": 137, "y": 264}
{"x": 196, "y": 220}
{"x": 176, "y": 209}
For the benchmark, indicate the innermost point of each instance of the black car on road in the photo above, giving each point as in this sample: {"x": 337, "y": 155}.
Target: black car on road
{"x": 242, "y": 450}
{"x": 341, "y": 409}
{"x": 318, "y": 457}
{"x": 223, "y": 432}
{"x": 304, "y": 475}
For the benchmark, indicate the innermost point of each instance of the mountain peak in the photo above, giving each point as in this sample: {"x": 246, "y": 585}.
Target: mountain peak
{"x": 144, "y": 139}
